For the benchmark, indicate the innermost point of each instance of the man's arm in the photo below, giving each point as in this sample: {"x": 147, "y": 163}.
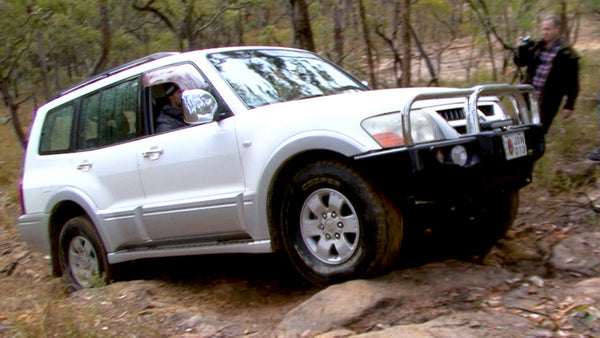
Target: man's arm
{"x": 523, "y": 55}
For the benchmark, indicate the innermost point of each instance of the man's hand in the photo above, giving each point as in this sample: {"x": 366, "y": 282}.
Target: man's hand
{"x": 566, "y": 113}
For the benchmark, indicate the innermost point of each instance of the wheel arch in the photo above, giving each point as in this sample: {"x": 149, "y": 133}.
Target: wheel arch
{"x": 291, "y": 155}
{"x": 283, "y": 177}
{"x": 62, "y": 212}
{"x": 379, "y": 221}
{"x": 63, "y": 206}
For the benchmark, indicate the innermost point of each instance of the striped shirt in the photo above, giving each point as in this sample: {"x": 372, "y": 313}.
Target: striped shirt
{"x": 545, "y": 58}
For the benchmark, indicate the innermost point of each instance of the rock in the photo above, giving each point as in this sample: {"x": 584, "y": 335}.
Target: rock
{"x": 589, "y": 287}
{"x": 579, "y": 173}
{"x": 193, "y": 321}
{"x": 578, "y": 254}
{"x": 511, "y": 252}
{"x": 537, "y": 281}
{"x": 336, "y": 334}
{"x": 359, "y": 303}
{"x": 331, "y": 308}
{"x": 459, "y": 325}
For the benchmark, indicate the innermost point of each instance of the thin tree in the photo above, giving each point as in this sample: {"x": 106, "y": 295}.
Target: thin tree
{"x": 368, "y": 44}
{"x": 338, "y": 31}
{"x": 434, "y": 76}
{"x": 302, "y": 31}
{"x": 16, "y": 49}
{"x": 188, "y": 27}
{"x": 105, "y": 41}
{"x": 405, "y": 42}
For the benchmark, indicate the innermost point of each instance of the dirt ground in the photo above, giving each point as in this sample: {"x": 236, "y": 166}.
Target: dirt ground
{"x": 250, "y": 295}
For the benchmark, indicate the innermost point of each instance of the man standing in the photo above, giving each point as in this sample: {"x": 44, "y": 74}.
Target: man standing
{"x": 552, "y": 69}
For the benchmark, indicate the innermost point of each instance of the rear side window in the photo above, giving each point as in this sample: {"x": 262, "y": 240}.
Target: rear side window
{"x": 109, "y": 116}
{"x": 56, "y": 132}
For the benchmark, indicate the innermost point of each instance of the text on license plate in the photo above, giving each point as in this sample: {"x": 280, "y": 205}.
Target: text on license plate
{"x": 514, "y": 145}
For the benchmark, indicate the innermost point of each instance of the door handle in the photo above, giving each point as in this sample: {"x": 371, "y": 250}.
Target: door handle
{"x": 153, "y": 154}
{"x": 84, "y": 166}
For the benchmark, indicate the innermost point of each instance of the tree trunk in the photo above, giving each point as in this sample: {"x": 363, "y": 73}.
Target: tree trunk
{"x": 368, "y": 45}
{"x": 397, "y": 57}
{"x": 434, "y": 76}
{"x": 13, "y": 107}
{"x": 338, "y": 32}
{"x": 405, "y": 42}
{"x": 490, "y": 47}
{"x": 303, "y": 37}
{"x": 239, "y": 29}
{"x": 187, "y": 39}
{"x": 106, "y": 38}
{"x": 398, "y": 67}
{"x": 43, "y": 66}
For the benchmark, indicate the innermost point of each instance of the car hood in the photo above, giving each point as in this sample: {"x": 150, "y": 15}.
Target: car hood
{"x": 357, "y": 104}
{"x": 338, "y": 116}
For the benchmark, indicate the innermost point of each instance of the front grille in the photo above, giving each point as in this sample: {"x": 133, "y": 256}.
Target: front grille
{"x": 455, "y": 114}
{"x": 487, "y": 110}
{"x": 452, "y": 114}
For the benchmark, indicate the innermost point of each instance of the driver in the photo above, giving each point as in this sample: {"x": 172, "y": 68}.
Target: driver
{"x": 170, "y": 116}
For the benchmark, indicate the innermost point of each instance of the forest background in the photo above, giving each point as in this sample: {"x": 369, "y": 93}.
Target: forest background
{"x": 47, "y": 45}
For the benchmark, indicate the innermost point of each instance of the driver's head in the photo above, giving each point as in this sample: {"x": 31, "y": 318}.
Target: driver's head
{"x": 174, "y": 94}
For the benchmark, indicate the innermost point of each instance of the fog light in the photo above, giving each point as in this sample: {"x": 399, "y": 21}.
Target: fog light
{"x": 459, "y": 155}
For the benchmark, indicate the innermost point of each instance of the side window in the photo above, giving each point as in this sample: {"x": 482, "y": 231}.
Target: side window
{"x": 88, "y": 122}
{"x": 109, "y": 116}
{"x": 157, "y": 84}
{"x": 56, "y": 132}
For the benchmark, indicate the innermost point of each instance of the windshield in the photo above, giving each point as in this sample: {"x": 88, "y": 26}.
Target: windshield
{"x": 262, "y": 77}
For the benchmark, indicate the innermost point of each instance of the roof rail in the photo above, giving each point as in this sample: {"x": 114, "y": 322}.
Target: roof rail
{"x": 114, "y": 70}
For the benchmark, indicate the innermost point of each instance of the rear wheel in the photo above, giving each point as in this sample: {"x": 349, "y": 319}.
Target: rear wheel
{"x": 82, "y": 256}
{"x": 336, "y": 226}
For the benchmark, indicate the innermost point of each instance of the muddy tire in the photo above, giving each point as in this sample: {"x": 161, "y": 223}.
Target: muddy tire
{"x": 490, "y": 219}
{"x": 500, "y": 215}
{"x": 82, "y": 256}
{"x": 335, "y": 225}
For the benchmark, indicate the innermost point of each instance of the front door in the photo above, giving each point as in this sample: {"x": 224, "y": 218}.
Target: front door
{"x": 193, "y": 182}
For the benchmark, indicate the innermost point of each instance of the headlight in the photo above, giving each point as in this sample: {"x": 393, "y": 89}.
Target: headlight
{"x": 424, "y": 128}
{"x": 387, "y": 129}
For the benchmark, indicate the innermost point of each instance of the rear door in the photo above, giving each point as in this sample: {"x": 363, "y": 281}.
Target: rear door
{"x": 104, "y": 166}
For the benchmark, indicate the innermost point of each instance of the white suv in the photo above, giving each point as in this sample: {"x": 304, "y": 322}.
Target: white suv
{"x": 280, "y": 150}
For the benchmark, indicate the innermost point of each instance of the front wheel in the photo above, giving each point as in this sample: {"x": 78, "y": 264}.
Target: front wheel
{"x": 82, "y": 256}
{"x": 336, "y": 226}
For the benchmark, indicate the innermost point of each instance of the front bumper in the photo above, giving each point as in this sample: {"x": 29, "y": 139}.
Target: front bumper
{"x": 427, "y": 170}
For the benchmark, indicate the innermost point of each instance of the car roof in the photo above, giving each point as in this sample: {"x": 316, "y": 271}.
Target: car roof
{"x": 112, "y": 71}
{"x": 157, "y": 56}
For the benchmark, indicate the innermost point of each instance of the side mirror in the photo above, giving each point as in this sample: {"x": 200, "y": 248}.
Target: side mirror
{"x": 199, "y": 106}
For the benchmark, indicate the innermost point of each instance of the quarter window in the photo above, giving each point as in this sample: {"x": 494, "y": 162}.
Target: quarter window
{"x": 56, "y": 132}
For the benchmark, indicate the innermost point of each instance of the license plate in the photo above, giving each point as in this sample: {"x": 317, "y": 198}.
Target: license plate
{"x": 514, "y": 145}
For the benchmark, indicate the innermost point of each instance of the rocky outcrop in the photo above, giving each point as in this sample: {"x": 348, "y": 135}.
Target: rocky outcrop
{"x": 579, "y": 254}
